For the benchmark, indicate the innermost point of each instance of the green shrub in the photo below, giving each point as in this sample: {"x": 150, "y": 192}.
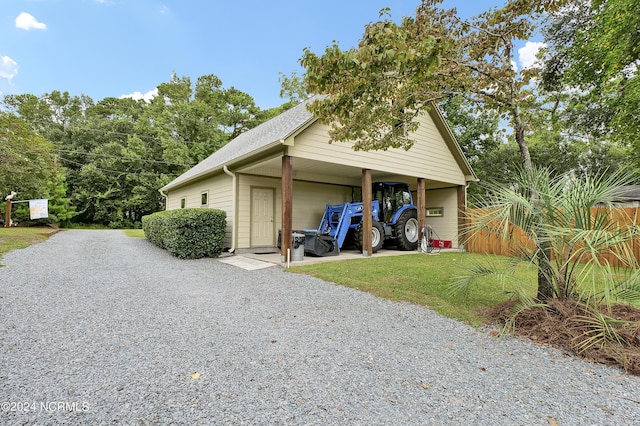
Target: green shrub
{"x": 187, "y": 233}
{"x": 154, "y": 225}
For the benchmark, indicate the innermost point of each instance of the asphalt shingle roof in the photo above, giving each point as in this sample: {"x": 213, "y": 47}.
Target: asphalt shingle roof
{"x": 272, "y": 131}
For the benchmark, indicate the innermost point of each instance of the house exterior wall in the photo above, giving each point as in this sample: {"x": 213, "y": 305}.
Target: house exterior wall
{"x": 446, "y": 226}
{"x": 219, "y": 194}
{"x": 429, "y": 158}
{"x": 309, "y": 200}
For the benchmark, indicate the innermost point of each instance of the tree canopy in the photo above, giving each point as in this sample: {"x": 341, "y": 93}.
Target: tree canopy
{"x": 116, "y": 153}
{"x": 28, "y": 160}
{"x": 594, "y": 54}
{"x": 399, "y": 70}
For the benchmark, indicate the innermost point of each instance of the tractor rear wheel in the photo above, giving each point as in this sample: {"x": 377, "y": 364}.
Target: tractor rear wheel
{"x": 377, "y": 236}
{"x": 406, "y": 229}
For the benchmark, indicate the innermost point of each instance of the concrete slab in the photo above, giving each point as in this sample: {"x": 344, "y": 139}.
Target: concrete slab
{"x": 246, "y": 263}
{"x": 274, "y": 258}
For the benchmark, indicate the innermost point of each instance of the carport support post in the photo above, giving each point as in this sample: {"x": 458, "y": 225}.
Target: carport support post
{"x": 422, "y": 208}
{"x": 462, "y": 216}
{"x": 287, "y": 205}
{"x": 366, "y": 213}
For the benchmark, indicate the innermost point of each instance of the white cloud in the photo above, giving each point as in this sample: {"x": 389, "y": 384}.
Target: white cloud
{"x": 138, "y": 95}
{"x": 514, "y": 65}
{"x": 27, "y": 22}
{"x": 527, "y": 54}
{"x": 164, "y": 9}
{"x": 8, "y": 68}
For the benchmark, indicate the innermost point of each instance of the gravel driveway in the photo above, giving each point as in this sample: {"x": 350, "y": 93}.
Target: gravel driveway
{"x": 100, "y": 328}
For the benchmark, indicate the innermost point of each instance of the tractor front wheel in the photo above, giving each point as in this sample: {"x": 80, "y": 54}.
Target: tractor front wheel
{"x": 377, "y": 236}
{"x": 407, "y": 231}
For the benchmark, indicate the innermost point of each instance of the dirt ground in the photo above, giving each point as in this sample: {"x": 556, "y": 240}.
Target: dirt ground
{"x": 576, "y": 329}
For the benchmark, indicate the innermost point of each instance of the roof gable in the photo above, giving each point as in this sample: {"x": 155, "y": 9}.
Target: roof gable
{"x": 270, "y": 132}
{"x": 274, "y": 132}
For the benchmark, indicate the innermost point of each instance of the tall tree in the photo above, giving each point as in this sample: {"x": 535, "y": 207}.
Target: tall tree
{"x": 398, "y": 70}
{"x": 594, "y": 54}
{"x": 27, "y": 160}
{"x": 116, "y": 153}
{"x": 477, "y": 132}
{"x": 293, "y": 88}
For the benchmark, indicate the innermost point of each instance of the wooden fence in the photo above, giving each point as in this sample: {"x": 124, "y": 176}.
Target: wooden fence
{"x": 489, "y": 243}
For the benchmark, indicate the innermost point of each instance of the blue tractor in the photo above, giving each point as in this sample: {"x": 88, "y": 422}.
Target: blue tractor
{"x": 394, "y": 220}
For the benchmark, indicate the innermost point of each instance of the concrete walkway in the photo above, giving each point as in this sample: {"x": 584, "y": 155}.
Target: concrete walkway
{"x": 275, "y": 258}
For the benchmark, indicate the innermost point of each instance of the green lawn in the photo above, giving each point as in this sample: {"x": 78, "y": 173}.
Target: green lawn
{"x": 17, "y": 238}
{"x": 136, "y": 233}
{"x": 423, "y": 279}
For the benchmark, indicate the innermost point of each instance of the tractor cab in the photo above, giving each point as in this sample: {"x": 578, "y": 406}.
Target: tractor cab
{"x": 392, "y": 197}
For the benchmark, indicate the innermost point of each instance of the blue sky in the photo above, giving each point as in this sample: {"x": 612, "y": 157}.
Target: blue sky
{"x": 111, "y": 48}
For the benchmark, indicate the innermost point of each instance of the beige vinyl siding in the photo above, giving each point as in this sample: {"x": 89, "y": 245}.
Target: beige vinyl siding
{"x": 430, "y": 157}
{"x": 329, "y": 179}
{"x": 446, "y": 226}
{"x": 172, "y": 201}
{"x": 220, "y": 196}
{"x": 309, "y": 200}
{"x": 264, "y": 171}
{"x": 300, "y": 174}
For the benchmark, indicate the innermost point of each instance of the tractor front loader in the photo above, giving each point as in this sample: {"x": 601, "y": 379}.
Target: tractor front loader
{"x": 394, "y": 220}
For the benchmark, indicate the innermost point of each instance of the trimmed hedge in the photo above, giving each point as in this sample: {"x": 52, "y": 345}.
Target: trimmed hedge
{"x": 187, "y": 233}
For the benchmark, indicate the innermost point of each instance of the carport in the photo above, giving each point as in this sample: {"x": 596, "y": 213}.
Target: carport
{"x": 281, "y": 174}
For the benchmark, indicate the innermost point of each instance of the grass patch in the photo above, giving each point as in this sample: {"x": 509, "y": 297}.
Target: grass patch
{"x": 135, "y": 233}
{"x": 89, "y": 226}
{"x": 18, "y": 238}
{"x": 424, "y": 280}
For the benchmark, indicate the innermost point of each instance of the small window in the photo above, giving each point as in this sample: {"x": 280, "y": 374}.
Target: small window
{"x": 435, "y": 211}
{"x": 183, "y": 202}
{"x": 204, "y": 199}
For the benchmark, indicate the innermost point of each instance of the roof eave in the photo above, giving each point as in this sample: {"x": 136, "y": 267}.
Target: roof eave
{"x": 241, "y": 158}
{"x": 457, "y": 150}
{"x": 220, "y": 167}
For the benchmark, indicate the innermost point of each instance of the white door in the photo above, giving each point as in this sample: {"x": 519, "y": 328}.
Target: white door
{"x": 262, "y": 213}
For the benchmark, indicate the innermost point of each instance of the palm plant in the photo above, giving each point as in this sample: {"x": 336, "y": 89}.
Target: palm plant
{"x": 570, "y": 230}
{"x": 558, "y": 223}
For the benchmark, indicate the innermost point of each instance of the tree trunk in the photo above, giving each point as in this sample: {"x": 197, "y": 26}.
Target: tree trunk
{"x": 522, "y": 143}
{"x": 545, "y": 273}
